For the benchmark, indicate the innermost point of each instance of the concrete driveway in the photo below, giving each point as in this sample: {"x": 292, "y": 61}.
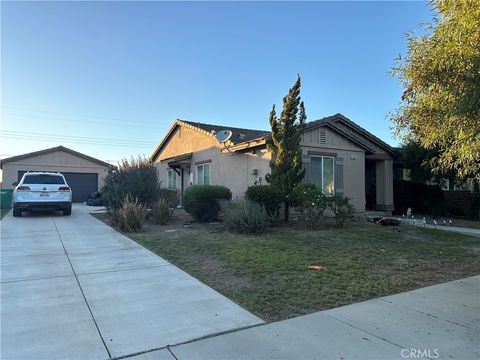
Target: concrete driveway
{"x": 73, "y": 288}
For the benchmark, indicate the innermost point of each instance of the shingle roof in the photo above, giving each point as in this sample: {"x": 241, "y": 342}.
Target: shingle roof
{"x": 244, "y": 136}
{"x": 239, "y": 134}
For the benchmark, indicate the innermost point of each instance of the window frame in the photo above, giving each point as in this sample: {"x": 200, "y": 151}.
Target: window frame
{"x": 321, "y": 176}
{"x": 203, "y": 173}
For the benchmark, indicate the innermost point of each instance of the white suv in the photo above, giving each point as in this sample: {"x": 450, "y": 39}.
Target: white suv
{"x": 42, "y": 191}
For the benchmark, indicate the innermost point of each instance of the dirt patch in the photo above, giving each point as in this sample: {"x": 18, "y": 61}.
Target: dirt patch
{"x": 181, "y": 224}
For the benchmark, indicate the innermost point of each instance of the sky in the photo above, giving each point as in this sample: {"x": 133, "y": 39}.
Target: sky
{"x": 109, "y": 78}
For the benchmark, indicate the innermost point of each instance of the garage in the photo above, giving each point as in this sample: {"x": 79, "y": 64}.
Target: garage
{"x": 82, "y": 184}
{"x": 84, "y": 174}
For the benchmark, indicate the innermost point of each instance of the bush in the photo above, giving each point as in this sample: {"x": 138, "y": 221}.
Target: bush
{"x": 422, "y": 198}
{"x": 309, "y": 201}
{"x": 130, "y": 216}
{"x": 136, "y": 178}
{"x": 341, "y": 209}
{"x": 203, "y": 201}
{"x": 267, "y": 196}
{"x": 245, "y": 217}
{"x": 165, "y": 206}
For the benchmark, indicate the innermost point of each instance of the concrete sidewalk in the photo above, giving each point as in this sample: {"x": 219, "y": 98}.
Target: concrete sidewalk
{"x": 441, "y": 321}
{"x": 456, "y": 229}
{"x": 73, "y": 288}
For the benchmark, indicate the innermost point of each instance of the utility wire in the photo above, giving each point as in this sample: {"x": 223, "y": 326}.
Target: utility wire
{"x": 74, "y": 141}
{"x": 129, "y": 123}
{"x": 80, "y": 138}
{"x": 75, "y": 115}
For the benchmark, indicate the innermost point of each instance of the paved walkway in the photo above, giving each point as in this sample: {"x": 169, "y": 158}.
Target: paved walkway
{"x": 456, "y": 229}
{"x": 441, "y": 321}
{"x": 73, "y": 288}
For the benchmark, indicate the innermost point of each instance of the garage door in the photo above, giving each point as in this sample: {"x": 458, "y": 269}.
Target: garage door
{"x": 82, "y": 184}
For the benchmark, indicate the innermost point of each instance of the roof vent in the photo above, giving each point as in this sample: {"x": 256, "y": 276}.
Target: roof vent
{"x": 242, "y": 136}
{"x": 323, "y": 137}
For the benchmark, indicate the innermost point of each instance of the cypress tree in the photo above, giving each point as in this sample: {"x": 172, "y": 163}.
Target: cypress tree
{"x": 286, "y": 164}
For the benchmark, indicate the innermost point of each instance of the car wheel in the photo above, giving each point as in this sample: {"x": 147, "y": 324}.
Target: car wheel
{"x": 67, "y": 211}
{"x": 17, "y": 212}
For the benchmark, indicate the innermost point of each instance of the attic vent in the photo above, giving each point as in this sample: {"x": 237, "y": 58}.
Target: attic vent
{"x": 242, "y": 136}
{"x": 323, "y": 137}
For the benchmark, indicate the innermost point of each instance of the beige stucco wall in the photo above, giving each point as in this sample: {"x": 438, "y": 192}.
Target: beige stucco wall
{"x": 55, "y": 161}
{"x": 353, "y": 160}
{"x": 232, "y": 171}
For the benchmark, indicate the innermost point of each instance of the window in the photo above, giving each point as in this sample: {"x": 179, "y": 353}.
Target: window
{"x": 322, "y": 173}
{"x": 43, "y": 179}
{"x": 172, "y": 179}
{"x": 203, "y": 174}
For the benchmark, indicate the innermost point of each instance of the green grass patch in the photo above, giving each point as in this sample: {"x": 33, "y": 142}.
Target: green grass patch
{"x": 268, "y": 274}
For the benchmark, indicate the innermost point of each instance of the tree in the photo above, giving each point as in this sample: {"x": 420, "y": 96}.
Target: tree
{"x": 286, "y": 164}
{"x": 440, "y": 106}
{"x": 420, "y": 162}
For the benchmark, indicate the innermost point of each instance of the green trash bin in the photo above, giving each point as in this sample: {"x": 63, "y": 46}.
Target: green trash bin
{"x": 6, "y": 198}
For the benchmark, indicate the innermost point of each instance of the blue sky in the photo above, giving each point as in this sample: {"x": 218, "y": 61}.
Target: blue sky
{"x": 123, "y": 71}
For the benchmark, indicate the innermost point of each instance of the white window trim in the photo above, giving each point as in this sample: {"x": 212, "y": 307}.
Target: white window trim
{"x": 321, "y": 179}
{"x": 196, "y": 173}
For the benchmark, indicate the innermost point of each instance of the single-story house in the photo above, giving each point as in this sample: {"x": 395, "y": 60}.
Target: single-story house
{"x": 339, "y": 156}
{"x": 84, "y": 174}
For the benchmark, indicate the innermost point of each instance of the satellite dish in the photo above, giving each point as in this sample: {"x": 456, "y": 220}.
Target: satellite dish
{"x": 223, "y": 135}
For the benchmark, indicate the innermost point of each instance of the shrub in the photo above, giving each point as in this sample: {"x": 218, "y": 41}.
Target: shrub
{"x": 165, "y": 206}
{"x": 267, "y": 196}
{"x": 203, "y": 201}
{"x": 245, "y": 217}
{"x": 137, "y": 178}
{"x": 130, "y": 216}
{"x": 309, "y": 201}
{"x": 422, "y": 198}
{"x": 341, "y": 209}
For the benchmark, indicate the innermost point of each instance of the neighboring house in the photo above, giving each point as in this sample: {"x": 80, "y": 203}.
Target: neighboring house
{"x": 83, "y": 173}
{"x": 339, "y": 156}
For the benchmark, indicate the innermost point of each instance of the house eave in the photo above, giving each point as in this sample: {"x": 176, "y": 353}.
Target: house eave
{"x": 245, "y": 146}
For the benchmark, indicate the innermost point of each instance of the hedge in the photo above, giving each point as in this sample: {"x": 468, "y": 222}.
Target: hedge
{"x": 266, "y": 196}
{"x": 203, "y": 201}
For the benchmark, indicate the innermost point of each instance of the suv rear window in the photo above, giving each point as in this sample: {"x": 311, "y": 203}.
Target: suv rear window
{"x": 43, "y": 179}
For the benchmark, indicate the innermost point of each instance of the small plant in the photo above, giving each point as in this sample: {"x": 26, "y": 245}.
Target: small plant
{"x": 165, "y": 206}
{"x": 310, "y": 203}
{"x": 203, "y": 201}
{"x": 130, "y": 216}
{"x": 341, "y": 209}
{"x": 267, "y": 196}
{"x": 245, "y": 217}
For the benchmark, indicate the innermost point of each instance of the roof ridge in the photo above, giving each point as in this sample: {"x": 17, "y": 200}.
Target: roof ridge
{"x": 53, "y": 149}
{"x": 220, "y": 125}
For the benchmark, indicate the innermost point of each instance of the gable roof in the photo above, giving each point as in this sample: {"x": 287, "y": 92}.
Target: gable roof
{"x": 240, "y": 135}
{"x": 54, "y": 149}
{"x": 332, "y": 122}
{"x": 243, "y": 139}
